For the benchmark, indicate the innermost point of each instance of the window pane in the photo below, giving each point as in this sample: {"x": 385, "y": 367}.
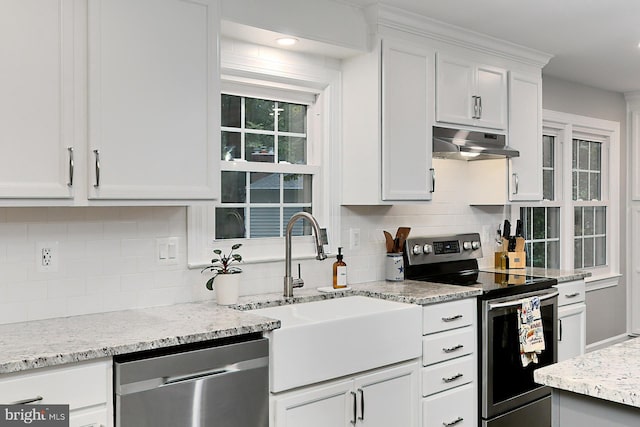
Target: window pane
{"x": 528, "y": 250}
{"x": 259, "y": 114}
{"x": 301, "y": 227}
{"x": 553, "y": 223}
{"x": 594, "y": 156}
{"x": 297, "y": 188}
{"x": 259, "y": 148}
{"x": 292, "y": 149}
{"x": 601, "y": 250}
{"x": 547, "y": 151}
{"x": 553, "y": 254}
{"x": 230, "y": 223}
{"x": 577, "y": 222}
{"x": 539, "y": 225}
{"x": 601, "y": 220}
{"x": 292, "y": 118}
{"x": 574, "y": 185}
{"x": 577, "y": 253}
{"x": 588, "y": 221}
{"x": 234, "y": 187}
{"x": 588, "y": 252}
{"x": 539, "y": 254}
{"x": 265, "y": 187}
{"x": 231, "y": 111}
{"x": 231, "y": 146}
{"x": 583, "y": 185}
{"x": 547, "y": 184}
{"x": 594, "y": 186}
{"x": 265, "y": 222}
{"x": 583, "y": 155}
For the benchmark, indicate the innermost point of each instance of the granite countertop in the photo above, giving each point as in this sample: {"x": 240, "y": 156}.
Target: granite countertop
{"x": 552, "y": 273}
{"x": 609, "y": 374}
{"x": 51, "y": 342}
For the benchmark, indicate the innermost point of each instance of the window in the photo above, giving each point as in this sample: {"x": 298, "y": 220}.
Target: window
{"x": 263, "y": 134}
{"x": 573, "y": 227}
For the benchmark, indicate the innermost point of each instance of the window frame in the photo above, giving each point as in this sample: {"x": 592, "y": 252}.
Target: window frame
{"x": 258, "y": 77}
{"x": 565, "y": 127}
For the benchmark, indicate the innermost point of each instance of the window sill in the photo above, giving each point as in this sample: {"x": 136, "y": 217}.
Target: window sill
{"x": 602, "y": 281}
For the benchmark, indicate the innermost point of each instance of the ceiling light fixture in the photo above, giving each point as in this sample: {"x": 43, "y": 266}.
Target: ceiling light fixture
{"x": 286, "y": 41}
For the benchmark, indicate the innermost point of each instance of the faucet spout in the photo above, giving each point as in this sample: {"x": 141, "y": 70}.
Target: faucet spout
{"x": 290, "y": 282}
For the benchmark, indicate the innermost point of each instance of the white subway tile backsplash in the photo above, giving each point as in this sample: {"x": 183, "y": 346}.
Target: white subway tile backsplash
{"x": 64, "y": 288}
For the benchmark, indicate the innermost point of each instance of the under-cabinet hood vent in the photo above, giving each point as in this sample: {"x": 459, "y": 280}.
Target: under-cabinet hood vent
{"x": 460, "y": 144}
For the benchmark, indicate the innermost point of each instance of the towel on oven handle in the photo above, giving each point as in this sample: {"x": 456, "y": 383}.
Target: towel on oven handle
{"x": 530, "y": 330}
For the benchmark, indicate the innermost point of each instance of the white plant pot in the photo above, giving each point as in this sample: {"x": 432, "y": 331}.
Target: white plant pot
{"x": 227, "y": 288}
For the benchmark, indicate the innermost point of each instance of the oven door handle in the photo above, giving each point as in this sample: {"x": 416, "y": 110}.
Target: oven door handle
{"x": 519, "y": 301}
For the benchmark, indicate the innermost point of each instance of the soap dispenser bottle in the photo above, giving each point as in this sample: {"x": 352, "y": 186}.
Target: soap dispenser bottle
{"x": 339, "y": 272}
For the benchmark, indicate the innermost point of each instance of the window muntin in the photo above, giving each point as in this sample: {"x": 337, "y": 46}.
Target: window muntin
{"x": 586, "y": 170}
{"x": 590, "y": 236}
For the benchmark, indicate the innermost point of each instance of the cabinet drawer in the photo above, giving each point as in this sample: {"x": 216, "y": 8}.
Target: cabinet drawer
{"x": 448, "y": 345}
{"x": 455, "y": 407}
{"x": 78, "y": 385}
{"x": 448, "y": 315}
{"x": 449, "y": 374}
{"x": 571, "y": 292}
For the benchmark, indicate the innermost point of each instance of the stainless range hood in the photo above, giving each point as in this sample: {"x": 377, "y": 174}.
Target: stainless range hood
{"x": 460, "y": 144}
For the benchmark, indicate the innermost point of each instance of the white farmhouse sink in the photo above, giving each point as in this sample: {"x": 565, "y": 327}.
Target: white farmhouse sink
{"x": 327, "y": 339}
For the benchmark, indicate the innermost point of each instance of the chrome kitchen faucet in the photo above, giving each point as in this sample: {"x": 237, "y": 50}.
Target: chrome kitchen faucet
{"x": 290, "y": 282}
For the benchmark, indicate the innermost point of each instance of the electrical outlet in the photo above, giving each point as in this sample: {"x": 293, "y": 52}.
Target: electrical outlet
{"x": 47, "y": 257}
{"x": 167, "y": 251}
{"x": 354, "y": 238}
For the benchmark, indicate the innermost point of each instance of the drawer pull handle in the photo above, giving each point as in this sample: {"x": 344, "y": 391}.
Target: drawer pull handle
{"x": 27, "y": 401}
{"x": 452, "y": 349}
{"x": 454, "y": 422}
{"x": 453, "y": 378}
{"x": 573, "y": 295}
{"x": 452, "y": 318}
{"x": 355, "y": 409}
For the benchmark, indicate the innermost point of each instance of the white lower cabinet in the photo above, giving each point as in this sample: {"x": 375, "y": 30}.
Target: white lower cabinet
{"x": 450, "y": 364}
{"x": 572, "y": 319}
{"x": 380, "y": 398}
{"x": 86, "y": 387}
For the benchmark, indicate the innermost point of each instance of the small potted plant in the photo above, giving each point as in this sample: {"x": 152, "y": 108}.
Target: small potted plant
{"x": 225, "y": 275}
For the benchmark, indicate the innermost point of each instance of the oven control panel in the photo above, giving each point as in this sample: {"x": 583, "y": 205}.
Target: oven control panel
{"x": 427, "y": 250}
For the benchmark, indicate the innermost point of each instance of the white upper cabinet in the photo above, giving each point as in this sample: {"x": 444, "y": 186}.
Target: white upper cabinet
{"x": 525, "y": 135}
{"x": 153, "y": 99}
{"x": 470, "y": 94}
{"x": 36, "y": 98}
{"x": 388, "y": 113}
{"x": 108, "y": 100}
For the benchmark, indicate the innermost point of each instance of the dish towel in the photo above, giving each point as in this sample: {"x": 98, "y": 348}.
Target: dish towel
{"x": 530, "y": 330}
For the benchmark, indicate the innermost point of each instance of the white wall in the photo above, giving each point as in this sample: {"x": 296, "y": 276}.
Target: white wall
{"x": 606, "y": 308}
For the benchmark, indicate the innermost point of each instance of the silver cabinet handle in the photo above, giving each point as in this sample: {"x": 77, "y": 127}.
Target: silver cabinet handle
{"x": 361, "y": 417}
{"x": 475, "y": 107}
{"x": 433, "y": 180}
{"x": 452, "y": 318}
{"x": 97, "y": 153}
{"x": 479, "y": 107}
{"x": 559, "y": 329}
{"x": 453, "y": 378}
{"x": 355, "y": 408}
{"x": 516, "y": 182}
{"x": 573, "y": 295}
{"x": 26, "y": 401}
{"x": 454, "y": 422}
{"x": 70, "y": 183}
{"x": 452, "y": 349}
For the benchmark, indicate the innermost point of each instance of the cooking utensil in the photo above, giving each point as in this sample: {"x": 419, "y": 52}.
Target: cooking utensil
{"x": 389, "y": 242}
{"x": 401, "y": 235}
{"x": 506, "y": 230}
{"x": 519, "y": 229}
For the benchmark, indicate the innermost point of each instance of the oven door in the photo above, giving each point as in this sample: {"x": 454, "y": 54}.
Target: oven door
{"x": 506, "y": 384}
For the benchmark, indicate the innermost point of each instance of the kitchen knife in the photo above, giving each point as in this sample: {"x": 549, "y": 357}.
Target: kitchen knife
{"x": 519, "y": 229}
{"x": 506, "y": 229}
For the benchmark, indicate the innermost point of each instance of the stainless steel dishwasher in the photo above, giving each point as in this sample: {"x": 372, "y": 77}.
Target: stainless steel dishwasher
{"x": 222, "y": 386}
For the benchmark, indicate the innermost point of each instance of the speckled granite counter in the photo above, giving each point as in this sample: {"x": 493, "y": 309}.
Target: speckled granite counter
{"x": 552, "y": 273}
{"x": 58, "y": 341}
{"x": 610, "y": 374}
{"x": 408, "y": 291}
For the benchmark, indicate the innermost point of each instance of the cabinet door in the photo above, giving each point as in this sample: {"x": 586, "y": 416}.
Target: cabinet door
{"x": 454, "y": 90}
{"x": 492, "y": 104}
{"x": 389, "y": 398}
{"x": 407, "y": 82}
{"x": 36, "y": 98}
{"x": 89, "y": 418}
{"x": 525, "y": 135}
{"x": 323, "y": 406}
{"x": 153, "y": 99}
{"x": 571, "y": 331}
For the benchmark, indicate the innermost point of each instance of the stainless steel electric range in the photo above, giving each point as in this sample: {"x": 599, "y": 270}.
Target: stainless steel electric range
{"x": 508, "y": 396}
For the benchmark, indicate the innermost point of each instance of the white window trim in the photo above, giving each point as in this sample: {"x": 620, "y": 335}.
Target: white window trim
{"x": 565, "y": 127}
{"x": 317, "y": 80}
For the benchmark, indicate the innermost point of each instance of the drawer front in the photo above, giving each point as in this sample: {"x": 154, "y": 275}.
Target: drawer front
{"x": 448, "y": 345}
{"x": 455, "y": 407}
{"x": 77, "y": 385}
{"x": 571, "y": 292}
{"x": 446, "y": 375}
{"x": 448, "y": 315}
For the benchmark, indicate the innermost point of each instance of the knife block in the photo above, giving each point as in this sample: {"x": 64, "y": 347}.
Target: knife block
{"x": 517, "y": 258}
